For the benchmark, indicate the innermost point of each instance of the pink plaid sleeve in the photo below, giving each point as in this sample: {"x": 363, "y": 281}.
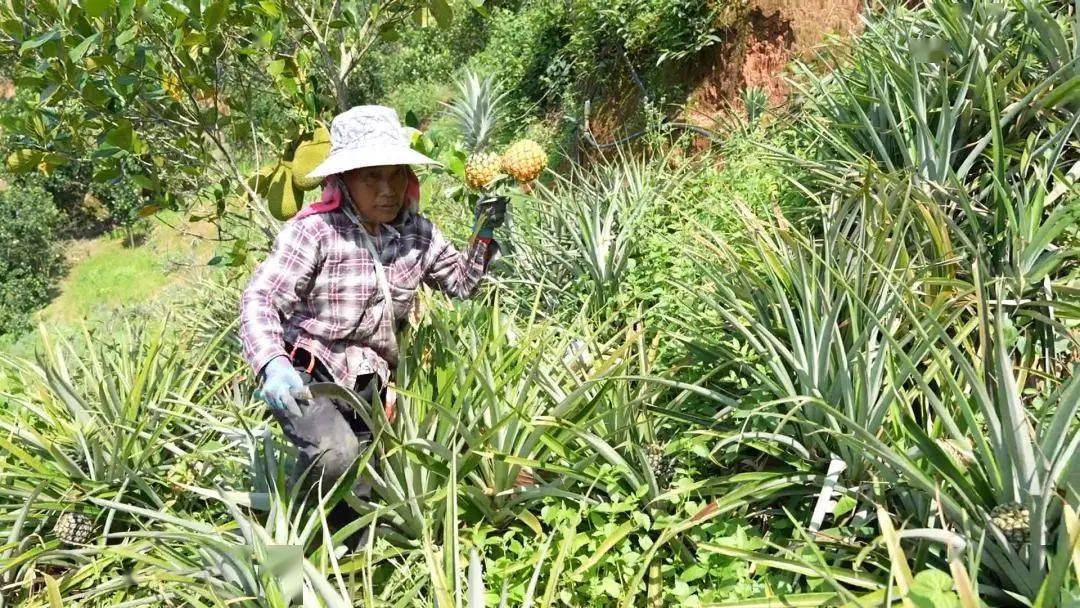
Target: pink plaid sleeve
{"x": 457, "y": 274}
{"x": 278, "y": 283}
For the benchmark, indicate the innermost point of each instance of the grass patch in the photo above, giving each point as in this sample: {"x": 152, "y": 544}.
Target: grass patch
{"x": 107, "y": 279}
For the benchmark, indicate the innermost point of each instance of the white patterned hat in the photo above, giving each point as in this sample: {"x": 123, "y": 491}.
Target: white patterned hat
{"x": 368, "y": 136}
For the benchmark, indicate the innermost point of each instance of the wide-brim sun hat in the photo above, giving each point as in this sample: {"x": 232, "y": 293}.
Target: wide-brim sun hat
{"x": 368, "y": 136}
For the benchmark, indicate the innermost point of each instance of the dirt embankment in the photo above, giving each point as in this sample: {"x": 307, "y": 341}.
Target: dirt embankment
{"x": 775, "y": 33}
{"x": 756, "y": 53}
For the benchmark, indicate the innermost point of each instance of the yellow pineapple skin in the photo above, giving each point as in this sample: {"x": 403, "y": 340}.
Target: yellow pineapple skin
{"x": 524, "y": 160}
{"x": 482, "y": 169}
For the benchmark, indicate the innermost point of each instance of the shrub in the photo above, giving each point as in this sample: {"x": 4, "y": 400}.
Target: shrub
{"x": 410, "y": 73}
{"x": 30, "y": 261}
{"x": 522, "y": 52}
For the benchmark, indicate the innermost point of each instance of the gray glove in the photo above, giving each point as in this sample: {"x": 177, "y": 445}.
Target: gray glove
{"x": 490, "y": 214}
{"x": 281, "y": 379}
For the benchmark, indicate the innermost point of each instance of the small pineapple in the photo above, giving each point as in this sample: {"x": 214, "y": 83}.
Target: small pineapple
{"x": 1013, "y": 520}
{"x": 662, "y": 465}
{"x": 482, "y": 169}
{"x": 74, "y": 528}
{"x": 524, "y": 160}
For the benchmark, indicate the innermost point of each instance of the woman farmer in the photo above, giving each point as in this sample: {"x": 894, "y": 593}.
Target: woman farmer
{"x": 342, "y": 275}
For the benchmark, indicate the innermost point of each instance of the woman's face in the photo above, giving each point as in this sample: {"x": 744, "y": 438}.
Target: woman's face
{"x": 378, "y": 192}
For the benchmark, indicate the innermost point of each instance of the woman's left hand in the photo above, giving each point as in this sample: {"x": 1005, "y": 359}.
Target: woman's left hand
{"x": 490, "y": 213}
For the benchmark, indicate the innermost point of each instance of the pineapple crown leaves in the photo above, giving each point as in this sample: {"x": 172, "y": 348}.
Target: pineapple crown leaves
{"x": 477, "y": 109}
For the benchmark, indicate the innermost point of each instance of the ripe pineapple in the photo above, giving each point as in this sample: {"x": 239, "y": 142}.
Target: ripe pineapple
{"x": 481, "y": 169}
{"x": 662, "y": 466}
{"x": 524, "y": 160}
{"x": 1013, "y": 520}
{"x": 74, "y": 528}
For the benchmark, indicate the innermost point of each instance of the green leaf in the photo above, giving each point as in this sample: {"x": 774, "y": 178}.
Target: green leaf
{"x": 275, "y": 67}
{"x": 270, "y": 7}
{"x": 933, "y": 589}
{"x": 612, "y": 539}
{"x": 176, "y": 12}
{"x": 52, "y": 160}
{"x": 12, "y": 26}
{"x": 194, "y": 38}
{"x": 215, "y": 13}
{"x": 444, "y": 15}
{"x": 844, "y": 505}
{"x": 127, "y": 36}
{"x": 456, "y": 163}
{"x": 107, "y": 174}
{"x": 23, "y": 161}
{"x": 122, "y": 136}
{"x": 76, "y": 54}
{"x": 148, "y": 210}
{"x": 93, "y": 94}
{"x": 611, "y": 586}
{"x": 693, "y": 573}
{"x": 34, "y": 43}
{"x": 96, "y": 8}
{"x": 389, "y": 33}
{"x": 53, "y": 591}
{"x": 144, "y": 181}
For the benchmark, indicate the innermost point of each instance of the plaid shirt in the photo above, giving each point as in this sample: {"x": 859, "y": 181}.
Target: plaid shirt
{"x": 317, "y": 290}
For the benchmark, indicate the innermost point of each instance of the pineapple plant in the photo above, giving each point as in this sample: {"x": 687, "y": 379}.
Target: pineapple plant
{"x": 524, "y": 160}
{"x": 1013, "y": 521}
{"x": 755, "y": 101}
{"x": 74, "y": 529}
{"x": 482, "y": 169}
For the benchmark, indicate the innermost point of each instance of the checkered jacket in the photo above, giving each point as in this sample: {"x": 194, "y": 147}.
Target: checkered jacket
{"x": 317, "y": 289}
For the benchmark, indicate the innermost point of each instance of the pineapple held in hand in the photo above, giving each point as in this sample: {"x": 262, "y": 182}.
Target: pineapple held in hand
{"x": 524, "y": 160}
{"x": 74, "y": 528}
{"x": 482, "y": 169}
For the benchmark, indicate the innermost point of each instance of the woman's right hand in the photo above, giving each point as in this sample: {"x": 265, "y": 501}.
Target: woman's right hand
{"x": 281, "y": 379}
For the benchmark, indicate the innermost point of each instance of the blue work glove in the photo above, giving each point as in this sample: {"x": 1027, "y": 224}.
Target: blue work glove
{"x": 280, "y": 379}
{"x": 490, "y": 213}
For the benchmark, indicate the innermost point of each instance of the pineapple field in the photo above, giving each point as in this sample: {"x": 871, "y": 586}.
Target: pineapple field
{"x": 782, "y": 317}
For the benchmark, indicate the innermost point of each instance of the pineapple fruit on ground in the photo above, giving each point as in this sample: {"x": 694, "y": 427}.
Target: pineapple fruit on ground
{"x": 661, "y": 465}
{"x": 74, "y": 528}
{"x": 1013, "y": 519}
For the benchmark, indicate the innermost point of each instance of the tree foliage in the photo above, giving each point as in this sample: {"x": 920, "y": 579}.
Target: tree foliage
{"x": 190, "y": 91}
{"x": 30, "y": 261}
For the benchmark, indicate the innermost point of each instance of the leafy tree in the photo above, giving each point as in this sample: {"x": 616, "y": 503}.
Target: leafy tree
{"x": 30, "y": 261}
{"x": 179, "y": 89}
